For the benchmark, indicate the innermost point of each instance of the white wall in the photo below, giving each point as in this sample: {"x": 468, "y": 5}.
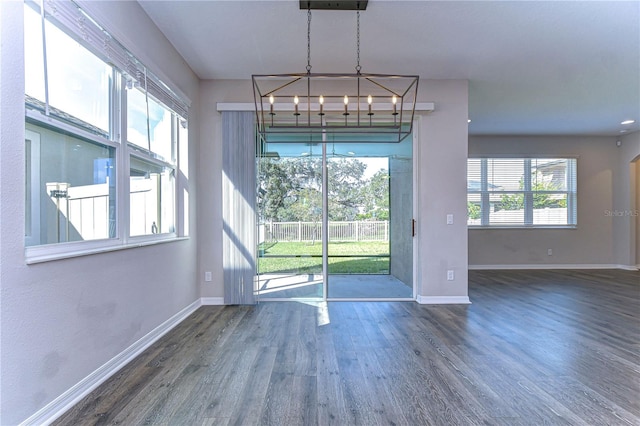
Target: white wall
{"x": 61, "y": 320}
{"x": 597, "y": 239}
{"x": 441, "y": 170}
{"x": 637, "y": 210}
{"x": 209, "y": 179}
{"x": 624, "y": 183}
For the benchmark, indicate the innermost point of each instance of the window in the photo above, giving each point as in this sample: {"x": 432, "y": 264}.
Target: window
{"x": 152, "y": 133}
{"x": 92, "y": 182}
{"x": 73, "y": 197}
{"x": 157, "y": 138}
{"x": 521, "y": 192}
{"x": 152, "y": 204}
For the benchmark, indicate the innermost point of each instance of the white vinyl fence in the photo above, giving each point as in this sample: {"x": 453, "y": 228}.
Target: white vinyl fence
{"x": 312, "y": 231}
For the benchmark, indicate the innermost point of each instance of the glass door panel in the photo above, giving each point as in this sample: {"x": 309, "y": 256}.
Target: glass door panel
{"x": 370, "y": 212}
{"x": 290, "y": 222}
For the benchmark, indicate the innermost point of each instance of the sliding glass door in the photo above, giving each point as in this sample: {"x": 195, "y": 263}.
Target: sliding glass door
{"x": 290, "y": 223}
{"x": 363, "y": 194}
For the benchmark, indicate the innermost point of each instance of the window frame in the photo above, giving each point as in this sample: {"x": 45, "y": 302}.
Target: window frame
{"x": 158, "y": 163}
{"x": 484, "y": 193}
{"x": 116, "y": 139}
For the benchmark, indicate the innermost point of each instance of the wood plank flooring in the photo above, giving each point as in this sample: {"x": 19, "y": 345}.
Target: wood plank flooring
{"x": 534, "y": 348}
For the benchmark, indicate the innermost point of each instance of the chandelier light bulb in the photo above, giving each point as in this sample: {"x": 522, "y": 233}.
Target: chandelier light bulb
{"x": 394, "y": 99}
{"x": 321, "y": 100}
{"x": 271, "y": 99}
{"x": 369, "y": 99}
{"x": 296, "y": 100}
{"x": 346, "y": 100}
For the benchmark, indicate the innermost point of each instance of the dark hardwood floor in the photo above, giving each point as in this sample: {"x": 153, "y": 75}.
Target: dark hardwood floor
{"x": 534, "y": 348}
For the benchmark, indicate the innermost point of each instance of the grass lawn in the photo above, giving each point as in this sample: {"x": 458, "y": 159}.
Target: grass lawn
{"x": 310, "y": 257}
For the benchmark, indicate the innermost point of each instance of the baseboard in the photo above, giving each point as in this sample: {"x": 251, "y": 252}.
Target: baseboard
{"x": 68, "y": 399}
{"x": 629, "y": 267}
{"x": 443, "y": 300}
{"x": 553, "y": 266}
{"x": 212, "y": 301}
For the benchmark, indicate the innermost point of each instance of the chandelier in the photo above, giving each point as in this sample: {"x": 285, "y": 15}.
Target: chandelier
{"x": 332, "y": 107}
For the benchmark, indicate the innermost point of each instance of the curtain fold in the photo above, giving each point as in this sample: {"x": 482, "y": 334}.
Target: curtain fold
{"x": 239, "y": 207}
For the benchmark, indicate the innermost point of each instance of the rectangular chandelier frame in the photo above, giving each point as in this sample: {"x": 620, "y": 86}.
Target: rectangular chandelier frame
{"x": 337, "y": 108}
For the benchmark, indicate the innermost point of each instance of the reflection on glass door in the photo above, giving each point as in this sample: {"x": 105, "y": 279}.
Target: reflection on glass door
{"x": 290, "y": 223}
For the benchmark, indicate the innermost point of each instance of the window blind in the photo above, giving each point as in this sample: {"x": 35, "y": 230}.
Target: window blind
{"x": 521, "y": 191}
{"x": 68, "y": 15}
{"x": 239, "y": 207}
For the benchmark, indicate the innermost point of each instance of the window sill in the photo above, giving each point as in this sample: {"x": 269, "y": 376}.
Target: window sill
{"x": 48, "y": 253}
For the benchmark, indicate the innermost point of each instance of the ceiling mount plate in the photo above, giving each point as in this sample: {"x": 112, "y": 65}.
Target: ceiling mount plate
{"x": 333, "y": 5}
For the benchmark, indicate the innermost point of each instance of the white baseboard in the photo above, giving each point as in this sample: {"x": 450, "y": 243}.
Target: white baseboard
{"x": 629, "y": 267}
{"x": 68, "y": 399}
{"x": 212, "y": 301}
{"x": 443, "y": 300}
{"x": 553, "y": 266}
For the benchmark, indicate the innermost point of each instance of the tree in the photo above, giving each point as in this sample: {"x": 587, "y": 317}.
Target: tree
{"x": 275, "y": 186}
{"x": 290, "y": 190}
{"x": 376, "y": 197}
{"x": 345, "y": 188}
{"x": 474, "y": 210}
{"x": 540, "y": 200}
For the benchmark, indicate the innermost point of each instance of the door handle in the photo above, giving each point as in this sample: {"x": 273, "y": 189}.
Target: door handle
{"x": 413, "y": 227}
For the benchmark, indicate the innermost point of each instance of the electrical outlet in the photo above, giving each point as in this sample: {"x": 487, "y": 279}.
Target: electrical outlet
{"x": 207, "y": 276}
{"x": 450, "y": 275}
{"x": 549, "y": 252}
{"x": 450, "y": 219}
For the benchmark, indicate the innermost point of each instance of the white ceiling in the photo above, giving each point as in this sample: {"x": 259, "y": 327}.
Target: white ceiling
{"x": 534, "y": 67}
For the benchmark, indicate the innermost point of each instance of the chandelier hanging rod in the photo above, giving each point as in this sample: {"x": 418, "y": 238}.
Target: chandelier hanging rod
{"x": 333, "y": 5}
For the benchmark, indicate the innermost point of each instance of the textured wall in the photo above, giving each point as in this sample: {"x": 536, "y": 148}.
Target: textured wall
{"x": 400, "y": 215}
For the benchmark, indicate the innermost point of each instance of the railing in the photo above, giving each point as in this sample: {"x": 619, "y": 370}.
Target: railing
{"x": 312, "y": 231}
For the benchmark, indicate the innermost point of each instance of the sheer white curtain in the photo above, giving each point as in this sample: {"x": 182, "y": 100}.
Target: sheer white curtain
{"x": 238, "y": 210}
